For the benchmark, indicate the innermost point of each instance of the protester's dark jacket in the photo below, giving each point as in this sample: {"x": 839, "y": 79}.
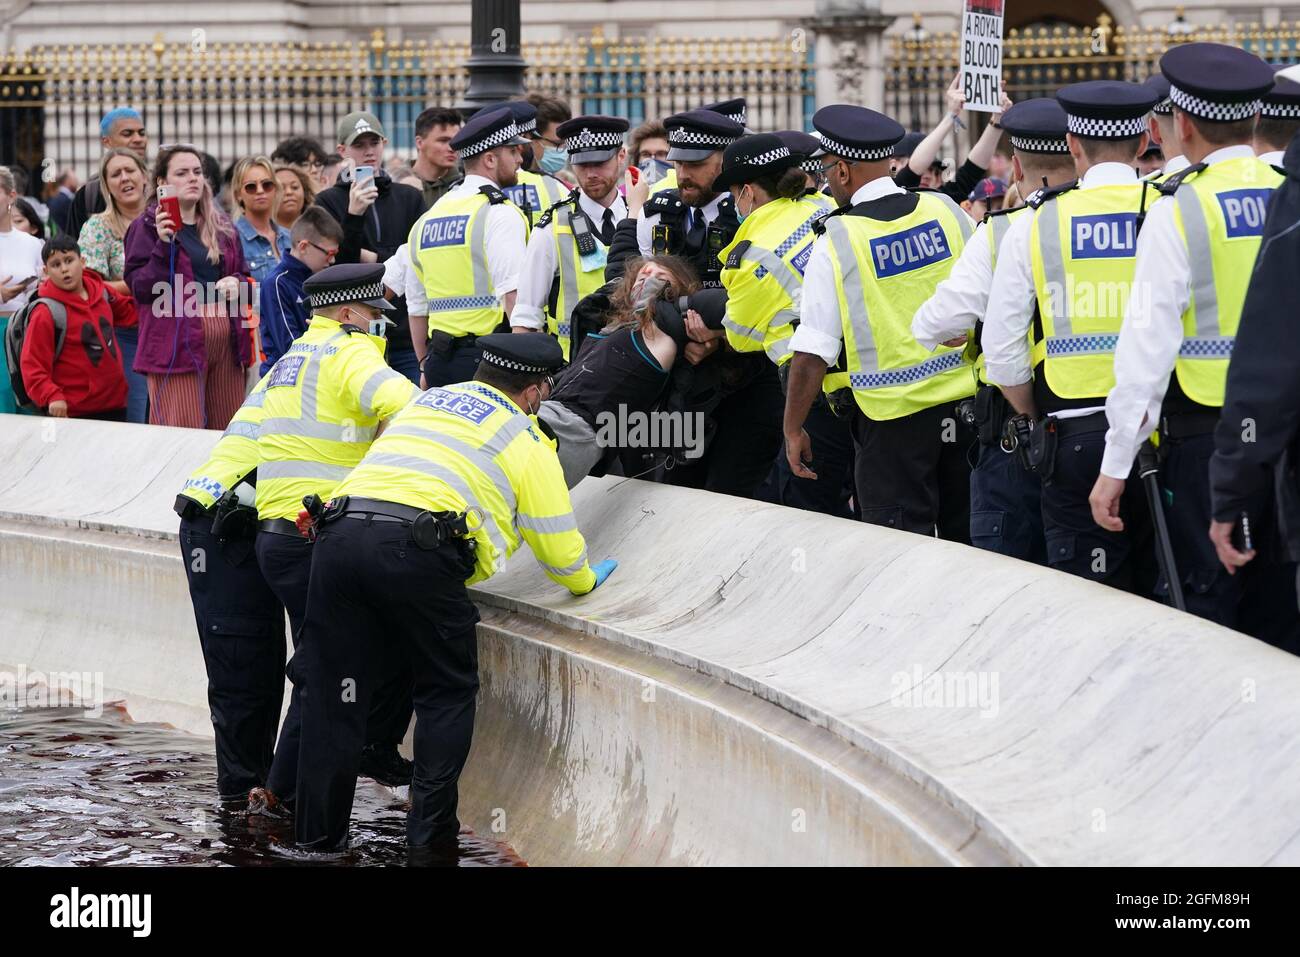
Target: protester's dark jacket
{"x": 1256, "y": 439}
{"x": 968, "y": 174}
{"x": 623, "y": 248}
{"x": 382, "y": 229}
{"x": 83, "y": 207}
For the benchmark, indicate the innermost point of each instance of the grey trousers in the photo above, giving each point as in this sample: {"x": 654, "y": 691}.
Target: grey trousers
{"x": 576, "y": 441}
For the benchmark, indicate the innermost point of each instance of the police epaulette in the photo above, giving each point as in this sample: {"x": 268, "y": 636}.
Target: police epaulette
{"x": 736, "y": 255}
{"x": 1170, "y": 186}
{"x": 570, "y": 200}
{"x": 1037, "y": 199}
{"x": 663, "y": 200}
{"x": 1280, "y": 170}
{"x": 1003, "y": 211}
{"x": 494, "y": 195}
{"x": 819, "y": 226}
{"x": 547, "y": 429}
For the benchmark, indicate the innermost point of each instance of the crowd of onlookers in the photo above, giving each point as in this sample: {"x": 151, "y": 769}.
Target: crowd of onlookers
{"x": 166, "y": 310}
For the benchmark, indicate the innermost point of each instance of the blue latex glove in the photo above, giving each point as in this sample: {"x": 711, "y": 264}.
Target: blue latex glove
{"x": 603, "y": 570}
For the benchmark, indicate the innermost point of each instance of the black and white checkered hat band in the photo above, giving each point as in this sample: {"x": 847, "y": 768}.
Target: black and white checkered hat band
{"x": 1280, "y": 111}
{"x": 491, "y": 141}
{"x": 527, "y": 126}
{"x": 735, "y": 117}
{"x": 335, "y": 297}
{"x": 854, "y": 152}
{"x": 1030, "y": 144}
{"x": 493, "y": 359}
{"x": 587, "y": 140}
{"x": 813, "y": 166}
{"x": 1165, "y": 107}
{"x": 1210, "y": 110}
{"x": 1105, "y": 129}
{"x": 771, "y": 156}
{"x": 697, "y": 139}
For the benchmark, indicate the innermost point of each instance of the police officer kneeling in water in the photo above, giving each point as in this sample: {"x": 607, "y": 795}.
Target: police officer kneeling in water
{"x": 444, "y": 495}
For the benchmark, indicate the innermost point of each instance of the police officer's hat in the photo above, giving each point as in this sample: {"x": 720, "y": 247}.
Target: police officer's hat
{"x": 807, "y": 145}
{"x": 533, "y": 353}
{"x": 487, "y": 130}
{"x": 347, "y": 283}
{"x": 525, "y": 118}
{"x": 906, "y": 146}
{"x": 733, "y": 110}
{"x": 592, "y": 139}
{"x": 1216, "y": 82}
{"x": 1106, "y": 109}
{"x": 1158, "y": 84}
{"x": 856, "y": 133}
{"x": 697, "y": 134}
{"x": 1283, "y": 101}
{"x": 754, "y": 156}
{"x": 1036, "y": 126}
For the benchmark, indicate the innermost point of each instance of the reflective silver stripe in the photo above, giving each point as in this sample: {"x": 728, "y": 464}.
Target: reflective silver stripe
{"x": 863, "y": 341}
{"x": 997, "y": 227}
{"x": 311, "y": 377}
{"x": 552, "y": 525}
{"x": 567, "y": 263}
{"x": 374, "y": 383}
{"x": 255, "y": 399}
{"x": 963, "y": 221}
{"x": 248, "y": 430}
{"x": 777, "y": 268}
{"x": 414, "y": 463}
{"x": 297, "y": 468}
{"x": 1049, "y": 250}
{"x": 779, "y": 349}
{"x": 1205, "y": 298}
{"x": 568, "y": 569}
{"x": 481, "y": 458}
{"x": 751, "y": 333}
{"x": 312, "y": 429}
{"x": 478, "y": 251}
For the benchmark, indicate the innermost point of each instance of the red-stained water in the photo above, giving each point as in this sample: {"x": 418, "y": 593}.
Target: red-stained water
{"x": 79, "y": 790}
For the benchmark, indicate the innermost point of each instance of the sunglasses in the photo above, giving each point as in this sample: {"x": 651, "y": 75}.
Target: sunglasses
{"x": 265, "y": 186}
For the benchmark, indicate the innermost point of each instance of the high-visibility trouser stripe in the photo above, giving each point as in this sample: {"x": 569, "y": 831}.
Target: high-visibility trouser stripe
{"x": 1090, "y": 345}
{"x": 851, "y": 283}
{"x": 1205, "y": 297}
{"x": 313, "y": 429}
{"x": 1206, "y": 347}
{"x": 1049, "y": 250}
{"x": 414, "y": 463}
{"x": 298, "y": 468}
{"x": 963, "y": 221}
{"x": 248, "y": 430}
{"x": 549, "y": 525}
{"x": 374, "y": 384}
{"x": 907, "y": 375}
{"x": 568, "y": 569}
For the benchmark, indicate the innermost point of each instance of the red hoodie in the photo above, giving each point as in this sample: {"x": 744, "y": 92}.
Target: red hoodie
{"x": 88, "y": 372}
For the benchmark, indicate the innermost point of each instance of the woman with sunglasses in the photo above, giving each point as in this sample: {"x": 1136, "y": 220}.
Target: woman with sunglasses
{"x": 256, "y": 192}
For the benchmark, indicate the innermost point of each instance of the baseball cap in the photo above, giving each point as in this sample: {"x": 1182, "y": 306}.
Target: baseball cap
{"x": 358, "y": 124}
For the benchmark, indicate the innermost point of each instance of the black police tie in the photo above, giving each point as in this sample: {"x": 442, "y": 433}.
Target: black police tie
{"x": 694, "y": 227}
{"x": 607, "y": 228}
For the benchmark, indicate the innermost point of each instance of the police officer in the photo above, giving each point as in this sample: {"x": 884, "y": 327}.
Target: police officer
{"x": 460, "y": 479}
{"x": 324, "y": 400}
{"x": 1005, "y": 516}
{"x": 878, "y": 258}
{"x": 1160, "y": 128}
{"x": 1194, "y": 262}
{"x": 1066, "y": 271}
{"x": 240, "y": 620}
{"x": 734, "y": 110}
{"x": 467, "y": 252}
{"x": 809, "y": 147}
{"x": 763, "y": 275}
{"x": 569, "y": 246}
{"x": 1279, "y": 121}
{"x": 534, "y": 190}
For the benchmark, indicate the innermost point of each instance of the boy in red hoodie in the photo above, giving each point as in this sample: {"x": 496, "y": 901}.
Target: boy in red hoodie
{"x": 86, "y": 380}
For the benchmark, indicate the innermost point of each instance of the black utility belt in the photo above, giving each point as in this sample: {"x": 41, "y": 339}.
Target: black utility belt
{"x": 1187, "y": 425}
{"x": 189, "y": 509}
{"x": 428, "y": 529}
{"x": 444, "y": 343}
{"x": 279, "y": 526}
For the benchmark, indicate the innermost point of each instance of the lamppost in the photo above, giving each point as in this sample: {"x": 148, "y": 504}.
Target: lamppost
{"x": 496, "y": 70}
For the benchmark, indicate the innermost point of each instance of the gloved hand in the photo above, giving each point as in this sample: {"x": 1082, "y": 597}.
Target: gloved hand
{"x": 603, "y": 570}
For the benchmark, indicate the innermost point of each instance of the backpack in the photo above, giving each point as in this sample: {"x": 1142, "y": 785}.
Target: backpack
{"x": 13, "y": 345}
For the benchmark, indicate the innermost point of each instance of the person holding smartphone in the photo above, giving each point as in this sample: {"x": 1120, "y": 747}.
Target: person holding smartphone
{"x": 20, "y": 269}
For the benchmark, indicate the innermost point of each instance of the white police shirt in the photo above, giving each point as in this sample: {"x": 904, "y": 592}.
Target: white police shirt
{"x": 1152, "y": 331}
{"x": 1273, "y": 157}
{"x": 506, "y": 239}
{"x": 539, "y": 264}
{"x": 1175, "y": 164}
{"x": 645, "y": 226}
{"x": 1007, "y": 359}
{"x": 820, "y": 331}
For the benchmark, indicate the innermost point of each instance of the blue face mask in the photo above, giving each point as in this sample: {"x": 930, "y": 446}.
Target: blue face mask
{"x": 553, "y": 159}
{"x": 655, "y": 170}
{"x": 740, "y": 217}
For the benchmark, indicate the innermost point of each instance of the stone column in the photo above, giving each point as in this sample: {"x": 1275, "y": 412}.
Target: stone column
{"x": 849, "y": 58}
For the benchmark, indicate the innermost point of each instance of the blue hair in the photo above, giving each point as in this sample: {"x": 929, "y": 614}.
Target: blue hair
{"x": 112, "y": 116}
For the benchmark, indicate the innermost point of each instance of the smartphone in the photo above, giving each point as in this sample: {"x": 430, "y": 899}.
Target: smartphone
{"x": 635, "y": 174}
{"x": 363, "y": 173}
{"x": 169, "y": 201}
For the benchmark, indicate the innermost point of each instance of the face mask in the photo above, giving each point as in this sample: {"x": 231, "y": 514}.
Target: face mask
{"x": 655, "y": 169}
{"x": 527, "y": 153}
{"x": 646, "y": 291}
{"x": 553, "y": 159}
{"x": 740, "y": 217}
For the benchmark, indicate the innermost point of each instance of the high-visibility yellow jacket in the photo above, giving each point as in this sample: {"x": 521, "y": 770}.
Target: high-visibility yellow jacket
{"x": 534, "y": 193}
{"x": 234, "y": 456}
{"x": 578, "y": 278}
{"x": 469, "y": 446}
{"x": 324, "y": 399}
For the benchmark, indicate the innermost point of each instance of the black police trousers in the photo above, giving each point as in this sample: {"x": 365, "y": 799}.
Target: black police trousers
{"x": 460, "y": 366}
{"x": 1006, "y": 506}
{"x": 285, "y": 561}
{"x": 424, "y": 612}
{"x": 1077, "y": 544}
{"x": 241, "y": 632}
{"x": 1260, "y": 600}
{"x": 912, "y": 474}
{"x": 832, "y": 449}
